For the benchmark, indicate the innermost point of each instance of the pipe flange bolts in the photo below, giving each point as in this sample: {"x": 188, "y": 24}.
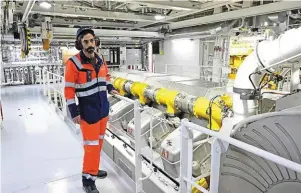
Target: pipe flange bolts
{"x": 178, "y": 100}
{"x": 127, "y": 86}
{"x": 149, "y": 93}
{"x": 191, "y": 104}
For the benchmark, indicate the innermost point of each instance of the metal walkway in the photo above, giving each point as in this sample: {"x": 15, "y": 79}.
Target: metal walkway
{"x": 40, "y": 153}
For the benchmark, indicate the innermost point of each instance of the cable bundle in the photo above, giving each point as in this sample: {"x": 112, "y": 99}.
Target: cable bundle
{"x": 25, "y": 36}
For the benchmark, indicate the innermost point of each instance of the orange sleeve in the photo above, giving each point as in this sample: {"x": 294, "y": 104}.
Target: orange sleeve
{"x": 71, "y": 74}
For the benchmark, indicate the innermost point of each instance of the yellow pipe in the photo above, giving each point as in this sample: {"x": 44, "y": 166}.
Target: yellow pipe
{"x": 167, "y": 97}
{"x": 200, "y": 109}
{"x": 137, "y": 90}
{"x": 118, "y": 84}
{"x": 202, "y": 182}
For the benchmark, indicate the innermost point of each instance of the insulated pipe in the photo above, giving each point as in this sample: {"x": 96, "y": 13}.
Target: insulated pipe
{"x": 137, "y": 89}
{"x": 173, "y": 100}
{"x": 167, "y": 97}
{"x": 28, "y": 9}
{"x": 284, "y": 48}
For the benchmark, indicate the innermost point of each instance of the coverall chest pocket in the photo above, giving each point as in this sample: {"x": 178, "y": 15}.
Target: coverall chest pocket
{"x": 85, "y": 76}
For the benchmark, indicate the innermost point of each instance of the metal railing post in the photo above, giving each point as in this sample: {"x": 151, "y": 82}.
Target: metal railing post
{"x": 44, "y": 82}
{"x": 186, "y": 157}
{"x": 138, "y": 163}
{"x": 215, "y": 165}
{"x": 48, "y": 87}
{"x": 55, "y": 95}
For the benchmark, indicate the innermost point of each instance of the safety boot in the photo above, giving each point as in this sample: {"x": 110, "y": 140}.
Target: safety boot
{"x": 89, "y": 185}
{"x": 102, "y": 174}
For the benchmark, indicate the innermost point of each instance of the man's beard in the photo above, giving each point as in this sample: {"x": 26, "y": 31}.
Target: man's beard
{"x": 90, "y": 50}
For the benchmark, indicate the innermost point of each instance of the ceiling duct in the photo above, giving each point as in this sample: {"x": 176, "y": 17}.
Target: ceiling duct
{"x": 134, "y": 6}
{"x": 210, "y": 30}
{"x": 277, "y": 17}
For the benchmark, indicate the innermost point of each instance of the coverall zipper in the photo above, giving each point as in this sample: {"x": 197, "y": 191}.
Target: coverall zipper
{"x": 94, "y": 67}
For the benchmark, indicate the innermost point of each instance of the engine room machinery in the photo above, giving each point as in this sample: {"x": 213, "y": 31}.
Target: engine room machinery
{"x": 27, "y": 74}
{"x": 162, "y": 108}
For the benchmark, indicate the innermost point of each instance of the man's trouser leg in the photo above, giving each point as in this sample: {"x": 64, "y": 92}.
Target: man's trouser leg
{"x": 93, "y": 135}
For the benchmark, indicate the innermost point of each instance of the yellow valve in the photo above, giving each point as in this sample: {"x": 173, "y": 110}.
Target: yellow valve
{"x": 118, "y": 84}
{"x": 46, "y": 44}
{"x": 202, "y": 182}
{"x": 200, "y": 109}
{"x": 48, "y": 35}
{"x": 272, "y": 85}
{"x": 227, "y": 100}
{"x": 137, "y": 90}
{"x": 167, "y": 97}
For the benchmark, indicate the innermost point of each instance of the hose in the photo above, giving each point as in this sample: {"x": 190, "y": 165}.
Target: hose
{"x": 25, "y": 40}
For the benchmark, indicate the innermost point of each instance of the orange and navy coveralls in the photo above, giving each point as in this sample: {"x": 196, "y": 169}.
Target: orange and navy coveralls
{"x": 90, "y": 84}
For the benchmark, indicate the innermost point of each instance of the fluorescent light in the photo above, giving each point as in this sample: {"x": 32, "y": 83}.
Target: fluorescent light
{"x": 159, "y": 17}
{"x": 45, "y": 5}
{"x": 266, "y": 23}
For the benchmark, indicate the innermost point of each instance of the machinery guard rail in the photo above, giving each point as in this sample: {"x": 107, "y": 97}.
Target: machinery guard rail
{"x": 53, "y": 88}
{"x": 220, "y": 144}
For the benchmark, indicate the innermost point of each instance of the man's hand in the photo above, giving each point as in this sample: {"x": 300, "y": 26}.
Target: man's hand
{"x": 114, "y": 92}
{"x": 76, "y": 120}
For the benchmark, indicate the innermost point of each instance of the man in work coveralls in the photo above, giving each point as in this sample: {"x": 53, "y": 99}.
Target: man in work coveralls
{"x": 87, "y": 77}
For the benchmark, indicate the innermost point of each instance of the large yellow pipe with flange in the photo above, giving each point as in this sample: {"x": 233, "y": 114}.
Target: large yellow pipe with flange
{"x": 118, "y": 84}
{"x": 163, "y": 96}
{"x": 167, "y": 97}
{"x": 138, "y": 89}
{"x": 201, "y": 109}
{"x": 202, "y": 182}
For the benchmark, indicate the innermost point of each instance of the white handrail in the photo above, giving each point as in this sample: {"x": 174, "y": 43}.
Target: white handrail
{"x": 217, "y": 148}
{"x": 54, "y": 86}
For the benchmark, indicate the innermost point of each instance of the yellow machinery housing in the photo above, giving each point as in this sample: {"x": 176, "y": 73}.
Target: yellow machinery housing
{"x": 239, "y": 50}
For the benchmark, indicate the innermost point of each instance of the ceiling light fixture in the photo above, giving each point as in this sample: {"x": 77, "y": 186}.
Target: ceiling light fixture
{"x": 159, "y": 17}
{"x": 45, "y": 5}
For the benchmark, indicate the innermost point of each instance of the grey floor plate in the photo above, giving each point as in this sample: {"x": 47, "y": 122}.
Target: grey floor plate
{"x": 243, "y": 172}
{"x": 39, "y": 152}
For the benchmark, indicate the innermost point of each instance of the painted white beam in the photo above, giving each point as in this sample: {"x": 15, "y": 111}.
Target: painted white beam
{"x": 72, "y": 12}
{"x": 203, "y": 7}
{"x": 180, "y": 6}
{"x": 102, "y": 32}
{"x": 90, "y": 22}
{"x": 247, "y": 12}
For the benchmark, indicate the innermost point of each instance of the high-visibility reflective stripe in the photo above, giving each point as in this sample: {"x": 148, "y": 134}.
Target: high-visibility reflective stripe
{"x": 70, "y": 101}
{"x": 101, "y": 137}
{"x": 93, "y": 81}
{"x": 69, "y": 84}
{"x": 77, "y": 62}
{"x": 89, "y": 176}
{"x": 85, "y": 85}
{"x": 91, "y": 142}
{"x": 92, "y": 91}
{"x": 108, "y": 82}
